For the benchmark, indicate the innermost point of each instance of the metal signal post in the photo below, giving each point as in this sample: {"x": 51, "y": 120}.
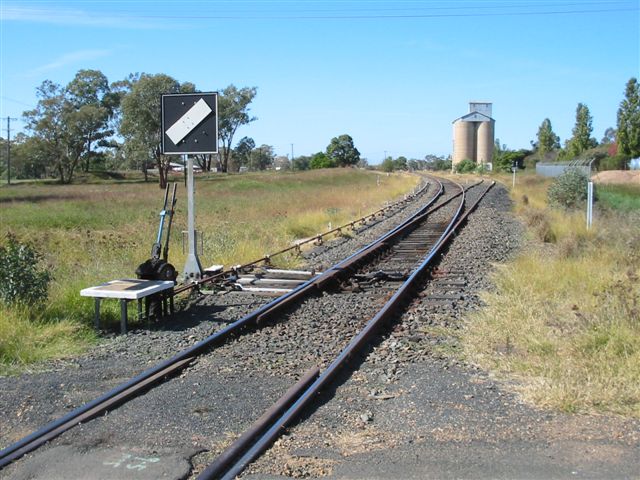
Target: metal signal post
{"x": 192, "y": 267}
{"x": 190, "y": 127}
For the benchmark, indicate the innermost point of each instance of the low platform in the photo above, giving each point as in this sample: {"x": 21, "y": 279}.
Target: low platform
{"x": 126, "y": 290}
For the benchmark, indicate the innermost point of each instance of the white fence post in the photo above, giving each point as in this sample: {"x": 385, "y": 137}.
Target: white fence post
{"x": 589, "y": 204}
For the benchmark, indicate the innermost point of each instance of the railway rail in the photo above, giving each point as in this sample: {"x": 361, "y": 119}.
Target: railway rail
{"x": 414, "y": 256}
{"x": 391, "y": 266}
{"x": 297, "y": 246}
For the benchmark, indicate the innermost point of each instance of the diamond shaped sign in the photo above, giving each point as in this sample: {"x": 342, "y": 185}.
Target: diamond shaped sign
{"x": 189, "y": 123}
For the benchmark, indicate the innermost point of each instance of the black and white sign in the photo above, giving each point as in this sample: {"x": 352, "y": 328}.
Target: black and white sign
{"x": 189, "y": 123}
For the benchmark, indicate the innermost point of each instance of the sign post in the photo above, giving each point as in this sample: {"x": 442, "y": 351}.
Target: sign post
{"x": 190, "y": 127}
{"x": 192, "y": 267}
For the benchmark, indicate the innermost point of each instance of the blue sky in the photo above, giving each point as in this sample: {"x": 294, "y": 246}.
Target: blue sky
{"x": 392, "y": 74}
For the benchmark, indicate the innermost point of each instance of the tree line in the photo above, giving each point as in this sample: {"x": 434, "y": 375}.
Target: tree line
{"x": 430, "y": 162}
{"x": 619, "y": 145}
{"x": 92, "y": 124}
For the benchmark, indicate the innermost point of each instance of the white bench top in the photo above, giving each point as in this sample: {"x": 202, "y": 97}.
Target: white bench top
{"x": 128, "y": 289}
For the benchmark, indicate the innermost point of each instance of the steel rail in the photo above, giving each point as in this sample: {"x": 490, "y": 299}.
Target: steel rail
{"x": 320, "y": 236}
{"x": 138, "y": 383}
{"x": 267, "y": 258}
{"x": 143, "y": 380}
{"x": 315, "y": 238}
{"x": 92, "y": 412}
{"x": 344, "y": 265}
{"x": 341, "y": 269}
{"x": 233, "y": 451}
{"x": 358, "y": 342}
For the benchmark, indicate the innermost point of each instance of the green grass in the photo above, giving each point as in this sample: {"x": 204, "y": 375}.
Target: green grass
{"x": 101, "y": 230}
{"x": 564, "y": 319}
{"x": 27, "y": 338}
{"x": 624, "y": 198}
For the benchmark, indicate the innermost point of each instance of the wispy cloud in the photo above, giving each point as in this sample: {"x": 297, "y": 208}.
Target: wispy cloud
{"x": 424, "y": 44}
{"x": 68, "y": 59}
{"x": 74, "y": 17}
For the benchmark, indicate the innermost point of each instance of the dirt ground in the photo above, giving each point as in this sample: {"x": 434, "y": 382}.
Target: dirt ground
{"x": 618, "y": 176}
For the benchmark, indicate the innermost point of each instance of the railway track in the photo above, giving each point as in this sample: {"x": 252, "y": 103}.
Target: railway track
{"x": 398, "y": 290}
{"x": 378, "y": 280}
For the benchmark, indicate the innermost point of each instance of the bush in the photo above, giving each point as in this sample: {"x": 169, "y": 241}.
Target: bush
{"x": 616, "y": 162}
{"x": 569, "y": 190}
{"x": 23, "y": 279}
{"x": 438, "y": 164}
{"x": 482, "y": 169}
{"x": 387, "y": 165}
{"x": 466, "y": 166}
{"x": 506, "y": 160}
{"x": 321, "y": 160}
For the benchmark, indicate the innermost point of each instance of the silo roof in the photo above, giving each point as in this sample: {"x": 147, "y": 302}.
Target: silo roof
{"x": 474, "y": 117}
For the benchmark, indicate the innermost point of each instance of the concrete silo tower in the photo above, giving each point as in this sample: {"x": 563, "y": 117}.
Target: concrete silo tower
{"x": 473, "y": 135}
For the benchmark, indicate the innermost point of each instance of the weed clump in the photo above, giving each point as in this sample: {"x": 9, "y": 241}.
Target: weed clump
{"x": 540, "y": 224}
{"x": 23, "y": 278}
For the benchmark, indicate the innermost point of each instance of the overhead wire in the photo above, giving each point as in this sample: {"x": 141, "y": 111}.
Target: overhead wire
{"x": 281, "y": 9}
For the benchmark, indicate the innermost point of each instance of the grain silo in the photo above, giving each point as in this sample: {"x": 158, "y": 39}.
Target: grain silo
{"x": 473, "y": 134}
{"x": 464, "y": 141}
{"x": 484, "y": 152}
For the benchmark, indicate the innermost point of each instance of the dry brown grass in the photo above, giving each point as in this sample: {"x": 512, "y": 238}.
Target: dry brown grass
{"x": 93, "y": 233}
{"x": 564, "y": 319}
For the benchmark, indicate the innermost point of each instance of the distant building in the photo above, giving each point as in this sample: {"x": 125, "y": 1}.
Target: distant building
{"x": 473, "y": 135}
{"x": 281, "y": 162}
{"x": 178, "y": 167}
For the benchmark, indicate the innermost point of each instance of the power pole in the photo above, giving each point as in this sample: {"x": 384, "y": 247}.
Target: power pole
{"x": 9, "y": 149}
{"x": 292, "y": 156}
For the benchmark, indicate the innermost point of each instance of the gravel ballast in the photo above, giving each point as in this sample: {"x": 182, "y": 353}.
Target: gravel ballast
{"x": 411, "y": 410}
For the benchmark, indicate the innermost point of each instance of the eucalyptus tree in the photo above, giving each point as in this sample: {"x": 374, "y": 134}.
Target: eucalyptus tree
{"x": 141, "y": 124}
{"x": 261, "y": 157}
{"x": 28, "y": 160}
{"x": 400, "y": 163}
{"x": 242, "y": 153}
{"x": 435, "y": 162}
{"x": 94, "y": 105}
{"x": 301, "y": 162}
{"x": 53, "y": 126}
{"x": 233, "y": 112}
{"x": 342, "y": 151}
{"x": 69, "y": 122}
{"x": 609, "y": 136}
{"x": 387, "y": 165}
